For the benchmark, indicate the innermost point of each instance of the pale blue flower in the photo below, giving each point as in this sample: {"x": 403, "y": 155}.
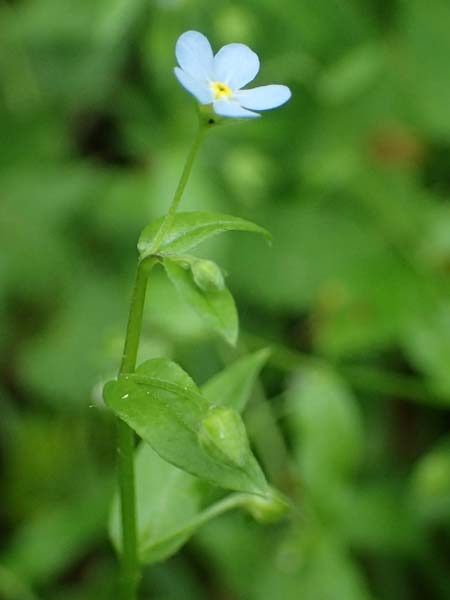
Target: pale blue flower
{"x": 219, "y": 79}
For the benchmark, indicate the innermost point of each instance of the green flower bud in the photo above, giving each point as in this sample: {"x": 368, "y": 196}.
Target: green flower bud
{"x": 267, "y": 509}
{"x": 223, "y": 436}
{"x": 207, "y": 276}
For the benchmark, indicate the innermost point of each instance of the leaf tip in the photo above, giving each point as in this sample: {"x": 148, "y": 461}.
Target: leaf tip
{"x": 264, "y": 354}
{"x": 232, "y": 337}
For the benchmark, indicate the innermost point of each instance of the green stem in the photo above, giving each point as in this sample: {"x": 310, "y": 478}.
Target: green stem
{"x": 135, "y": 317}
{"x": 169, "y": 218}
{"x": 129, "y": 565}
{"x": 130, "y": 574}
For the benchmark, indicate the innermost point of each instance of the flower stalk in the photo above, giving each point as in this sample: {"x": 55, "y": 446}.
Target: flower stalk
{"x": 129, "y": 562}
{"x": 169, "y": 218}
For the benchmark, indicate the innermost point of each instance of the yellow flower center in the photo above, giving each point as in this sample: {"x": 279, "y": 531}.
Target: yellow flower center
{"x": 220, "y": 90}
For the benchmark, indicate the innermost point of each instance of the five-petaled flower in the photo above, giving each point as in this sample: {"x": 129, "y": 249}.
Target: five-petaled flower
{"x": 219, "y": 79}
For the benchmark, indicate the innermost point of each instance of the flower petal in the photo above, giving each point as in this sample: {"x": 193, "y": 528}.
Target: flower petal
{"x": 194, "y": 55}
{"x": 225, "y": 108}
{"x": 236, "y": 65}
{"x": 264, "y": 97}
{"x": 199, "y": 89}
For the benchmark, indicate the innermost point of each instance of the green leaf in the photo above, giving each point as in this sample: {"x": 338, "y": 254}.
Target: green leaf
{"x": 57, "y": 536}
{"x": 232, "y": 386}
{"x": 430, "y": 484}
{"x": 426, "y": 49}
{"x": 352, "y": 74}
{"x": 163, "y": 405}
{"x": 427, "y": 343}
{"x": 167, "y": 499}
{"x": 169, "y": 507}
{"x": 326, "y": 423}
{"x": 191, "y": 228}
{"x": 217, "y": 308}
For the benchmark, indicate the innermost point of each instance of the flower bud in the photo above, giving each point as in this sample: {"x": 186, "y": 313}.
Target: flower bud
{"x": 207, "y": 276}
{"x": 223, "y": 436}
{"x": 267, "y": 509}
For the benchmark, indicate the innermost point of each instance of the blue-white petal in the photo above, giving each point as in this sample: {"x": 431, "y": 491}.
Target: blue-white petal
{"x": 236, "y": 65}
{"x": 227, "y": 108}
{"x": 194, "y": 55}
{"x": 264, "y": 97}
{"x": 199, "y": 89}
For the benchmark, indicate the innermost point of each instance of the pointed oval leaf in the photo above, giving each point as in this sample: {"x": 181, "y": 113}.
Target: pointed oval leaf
{"x": 168, "y": 414}
{"x": 217, "y": 308}
{"x": 232, "y": 386}
{"x": 170, "y": 507}
{"x": 327, "y": 425}
{"x": 191, "y": 228}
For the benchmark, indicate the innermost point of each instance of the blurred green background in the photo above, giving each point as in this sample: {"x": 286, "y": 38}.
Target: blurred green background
{"x": 352, "y": 177}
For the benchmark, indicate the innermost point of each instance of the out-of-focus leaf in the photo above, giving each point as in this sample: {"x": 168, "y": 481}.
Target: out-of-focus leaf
{"x": 163, "y": 405}
{"x": 379, "y": 517}
{"x": 341, "y": 240}
{"x": 235, "y": 547}
{"x": 352, "y": 312}
{"x": 327, "y": 572}
{"x": 310, "y": 563}
{"x": 232, "y": 386}
{"x": 58, "y": 536}
{"x": 326, "y": 424}
{"x": 351, "y": 74}
{"x": 426, "y": 47}
{"x": 435, "y": 244}
{"x": 217, "y": 308}
{"x": 430, "y": 484}
{"x": 66, "y": 361}
{"x": 13, "y": 588}
{"x": 192, "y": 228}
{"x": 427, "y": 342}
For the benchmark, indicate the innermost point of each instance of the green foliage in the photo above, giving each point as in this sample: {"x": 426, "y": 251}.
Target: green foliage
{"x": 40, "y": 552}
{"x": 168, "y": 505}
{"x": 351, "y": 178}
{"x": 164, "y": 406}
{"x": 431, "y": 483}
{"x": 327, "y": 424}
{"x": 190, "y": 229}
{"x": 232, "y": 386}
{"x": 216, "y": 307}
{"x": 170, "y": 502}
